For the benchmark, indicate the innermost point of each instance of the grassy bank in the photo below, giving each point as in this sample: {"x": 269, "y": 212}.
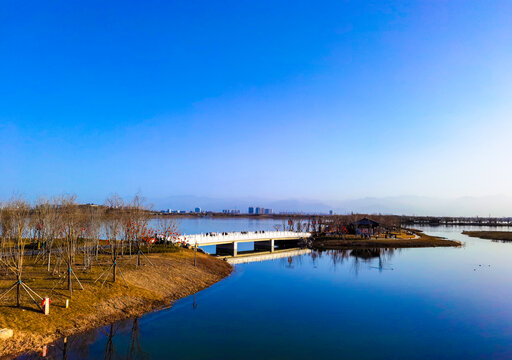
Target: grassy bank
{"x": 420, "y": 240}
{"x": 490, "y": 235}
{"x": 172, "y": 276}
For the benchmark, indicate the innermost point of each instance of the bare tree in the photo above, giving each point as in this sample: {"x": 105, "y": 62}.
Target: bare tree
{"x": 283, "y": 221}
{"x": 72, "y": 227}
{"x": 168, "y": 230}
{"x": 93, "y": 217}
{"x": 46, "y": 226}
{"x": 113, "y": 232}
{"x": 16, "y": 220}
{"x": 138, "y": 232}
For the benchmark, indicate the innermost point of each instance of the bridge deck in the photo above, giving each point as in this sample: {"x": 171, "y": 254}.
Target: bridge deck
{"x": 226, "y": 238}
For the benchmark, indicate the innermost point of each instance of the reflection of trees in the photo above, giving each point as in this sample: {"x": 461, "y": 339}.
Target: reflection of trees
{"x": 80, "y": 343}
{"x": 360, "y": 257}
{"x": 338, "y": 256}
{"x": 135, "y": 350}
{"x": 315, "y": 256}
{"x": 367, "y": 255}
{"x": 76, "y": 346}
{"x": 291, "y": 261}
{"x": 109, "y": 348}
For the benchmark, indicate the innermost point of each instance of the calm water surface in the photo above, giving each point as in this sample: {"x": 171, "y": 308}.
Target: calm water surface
{"x": 439, "y": 303}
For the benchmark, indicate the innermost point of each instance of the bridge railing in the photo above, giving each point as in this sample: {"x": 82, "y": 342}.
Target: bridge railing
{"x": 240, "y": 236}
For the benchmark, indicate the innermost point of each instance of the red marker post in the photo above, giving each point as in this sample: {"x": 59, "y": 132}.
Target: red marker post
{"x": 46, "y": 306}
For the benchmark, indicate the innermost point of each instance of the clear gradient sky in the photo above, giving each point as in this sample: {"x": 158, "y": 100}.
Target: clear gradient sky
{"x": 310, "y": 99}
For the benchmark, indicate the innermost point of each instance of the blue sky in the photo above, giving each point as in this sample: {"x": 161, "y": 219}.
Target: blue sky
{"x": 319, "y": 100}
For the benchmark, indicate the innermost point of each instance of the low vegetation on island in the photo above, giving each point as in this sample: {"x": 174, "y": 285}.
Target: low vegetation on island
{"x": 490, "y": 235}
{"x": 347, "y": 232}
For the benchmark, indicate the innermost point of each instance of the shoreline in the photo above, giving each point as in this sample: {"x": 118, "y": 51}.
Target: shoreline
{"x": 421, "y": 240}
{"x": 151, "y": 288}
{"x": 173, "y": 277}
{"x": 505, "y": 236}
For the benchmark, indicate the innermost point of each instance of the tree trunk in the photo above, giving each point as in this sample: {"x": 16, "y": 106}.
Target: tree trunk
{"x": 18, "y": 294}
{"x": 70, "y": 286}
{"x": 49, "y": 256}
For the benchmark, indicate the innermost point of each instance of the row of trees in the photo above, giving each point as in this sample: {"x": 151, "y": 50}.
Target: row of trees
{"x": 59, "y": 231}
{"x": 319, "y": 224}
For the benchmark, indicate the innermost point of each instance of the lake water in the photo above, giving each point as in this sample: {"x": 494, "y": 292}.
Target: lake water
{"x": 434, "y": 303}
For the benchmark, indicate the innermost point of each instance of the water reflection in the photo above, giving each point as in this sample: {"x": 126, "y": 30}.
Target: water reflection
{"x": 115, "y": 347}
{"x": 501, "y": 241}
{"x": 121, "y": 340}
{"x": 136, "y": 351}
{"x": 372, "y": 258}
{"x": 291, "y": 261}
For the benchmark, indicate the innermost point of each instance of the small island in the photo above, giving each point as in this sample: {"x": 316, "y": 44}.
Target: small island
{"x": 490, "y": 235}
{"x": 367, "y": 233}
{"x": 420, "y": 240}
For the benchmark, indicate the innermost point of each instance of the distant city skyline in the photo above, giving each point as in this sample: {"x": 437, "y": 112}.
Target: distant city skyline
{"x": 334, "y": 102}
{"x": 494, "y": 206}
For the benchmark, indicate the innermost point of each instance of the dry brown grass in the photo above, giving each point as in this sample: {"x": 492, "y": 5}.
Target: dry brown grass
{"x": 173, "y": 276}
{"x": 490, "y": 235}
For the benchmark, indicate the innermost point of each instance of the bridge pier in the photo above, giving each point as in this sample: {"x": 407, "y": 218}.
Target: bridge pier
{"x": 227, "y": 249}
{"x": 264, "y": 245}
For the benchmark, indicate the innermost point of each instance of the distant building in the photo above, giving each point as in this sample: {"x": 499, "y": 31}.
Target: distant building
{"x": 231, "y": 211}
{"x": 260, "y": 211}
{"x": 197, "y": 210}
{"x": 169, "y": 211}
{"x": 331, "y": 212}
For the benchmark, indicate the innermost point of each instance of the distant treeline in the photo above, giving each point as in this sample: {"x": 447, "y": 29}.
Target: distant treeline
{"x": 448, "y": 220}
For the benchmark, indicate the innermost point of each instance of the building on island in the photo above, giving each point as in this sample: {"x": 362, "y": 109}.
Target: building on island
{"x": 366, "y": 227}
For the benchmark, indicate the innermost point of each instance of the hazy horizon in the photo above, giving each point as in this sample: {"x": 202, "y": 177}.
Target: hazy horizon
{"x": 489, "y": 206}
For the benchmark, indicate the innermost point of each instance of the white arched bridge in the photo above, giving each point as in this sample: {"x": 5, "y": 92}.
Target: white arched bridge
{"x": 226, "y": 243}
